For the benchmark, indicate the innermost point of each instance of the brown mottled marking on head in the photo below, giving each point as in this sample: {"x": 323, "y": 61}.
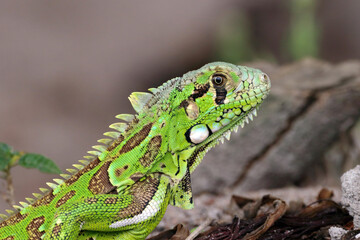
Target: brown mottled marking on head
{"x": 33, "y": 228}
{"x": 91, "y": 200}
{"x": 143, "y": 191}
{"x": 136, "y": 176}
{"x": 153, "y": 149}
{"x": 46, "y": 199}
{"x": 87, "y": 168}
{"x": 184, "y": 104}
{"x": 111, "y": 200}
{"x": 136, "y": 139}
{"x": 199, "y": 91}
{"x": 65, "y": 198}
{"x": 220, "y": 95}
{"x": 120, "y": 170}
{"x": 13, "y": 219}
{"x": 100, "y": 182}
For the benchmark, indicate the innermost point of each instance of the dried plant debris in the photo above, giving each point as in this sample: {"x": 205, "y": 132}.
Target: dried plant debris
{"x": 271, "y": 218}
{"x": 179, "y": 232}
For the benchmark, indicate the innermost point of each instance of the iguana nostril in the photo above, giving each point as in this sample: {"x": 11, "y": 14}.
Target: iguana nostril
{"x": 265, "y": 78}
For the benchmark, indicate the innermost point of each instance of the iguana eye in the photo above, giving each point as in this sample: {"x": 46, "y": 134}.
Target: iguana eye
{"x": 218, "y": 80}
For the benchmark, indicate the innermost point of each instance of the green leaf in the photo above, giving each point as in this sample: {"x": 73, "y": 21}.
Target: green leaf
{"x": 43, "y": 164}
{"x": 5, "y": 155}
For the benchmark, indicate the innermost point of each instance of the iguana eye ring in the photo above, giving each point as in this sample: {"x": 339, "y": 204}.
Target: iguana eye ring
{"x": 218, "y": 80}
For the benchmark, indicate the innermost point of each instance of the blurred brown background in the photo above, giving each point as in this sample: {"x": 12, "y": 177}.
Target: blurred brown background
{"x": 67, "y": 67}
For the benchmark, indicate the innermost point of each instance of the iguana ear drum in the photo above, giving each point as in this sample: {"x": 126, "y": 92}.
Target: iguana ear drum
{"x": 192, "y": 110}
{"x": 197, "y": 133}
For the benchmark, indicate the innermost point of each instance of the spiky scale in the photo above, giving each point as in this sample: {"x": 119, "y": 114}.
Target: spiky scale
{"x": 44, "y": 190}
{"x": 153, "y": 90}
{"x": 17, "y": 207}
{"x": 52, "y": 185}
{"x": 105, "y": 141}
{"x": 120, "y": 127}
{"x": 10, "y": 212}
{"x": 65, "y": 176}
{"x": 236, "y": 128}
{"x": 58, "y": 181}
{"x": 227, "y": 135}
{"x": 250, "y": 117}
{"x": 125, "y": 117}
{"x": 99, "y": 148}
{"x": 71, "y": 170}
{"x": 37, "y": 195}
{"x": 95, "y": 153}
{"x": 78, "y": 166}
{"x": 139, "y": 99}
{"x": 89, "y": 157}
{"x": 84, "y": 162}
{"x": 24, "y": 204}
{"x": 30, "y": 200}
{"x": 114, "y": 135}
{"x": 3, "y": 216}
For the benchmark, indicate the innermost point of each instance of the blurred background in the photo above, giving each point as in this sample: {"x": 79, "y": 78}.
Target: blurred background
{"x": 67, "y": 67}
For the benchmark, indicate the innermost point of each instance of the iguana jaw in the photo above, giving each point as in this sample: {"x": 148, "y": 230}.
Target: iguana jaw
{"x": 232, "y": 124}
{"x": 225, "y": 132}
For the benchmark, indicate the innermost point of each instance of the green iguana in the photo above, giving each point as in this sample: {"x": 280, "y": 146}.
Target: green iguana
{"x": 124, "y": 190}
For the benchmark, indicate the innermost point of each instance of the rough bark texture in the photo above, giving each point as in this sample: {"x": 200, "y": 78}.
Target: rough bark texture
{"x": 307, "y": 132}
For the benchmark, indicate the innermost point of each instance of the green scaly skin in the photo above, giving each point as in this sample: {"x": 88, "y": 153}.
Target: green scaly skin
{"x": 146, "y": 163}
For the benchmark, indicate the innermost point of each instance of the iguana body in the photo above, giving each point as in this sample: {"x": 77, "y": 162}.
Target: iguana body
{"x": 146, "y": 164}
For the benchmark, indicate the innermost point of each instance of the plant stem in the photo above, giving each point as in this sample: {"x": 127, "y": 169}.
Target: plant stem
{"x": 9, "y": 197}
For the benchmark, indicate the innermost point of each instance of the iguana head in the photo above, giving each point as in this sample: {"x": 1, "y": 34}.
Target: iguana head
{"x": 212, "y": 101}
{"x": 194, "y": 112}
{"x": 178, "y": 122}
